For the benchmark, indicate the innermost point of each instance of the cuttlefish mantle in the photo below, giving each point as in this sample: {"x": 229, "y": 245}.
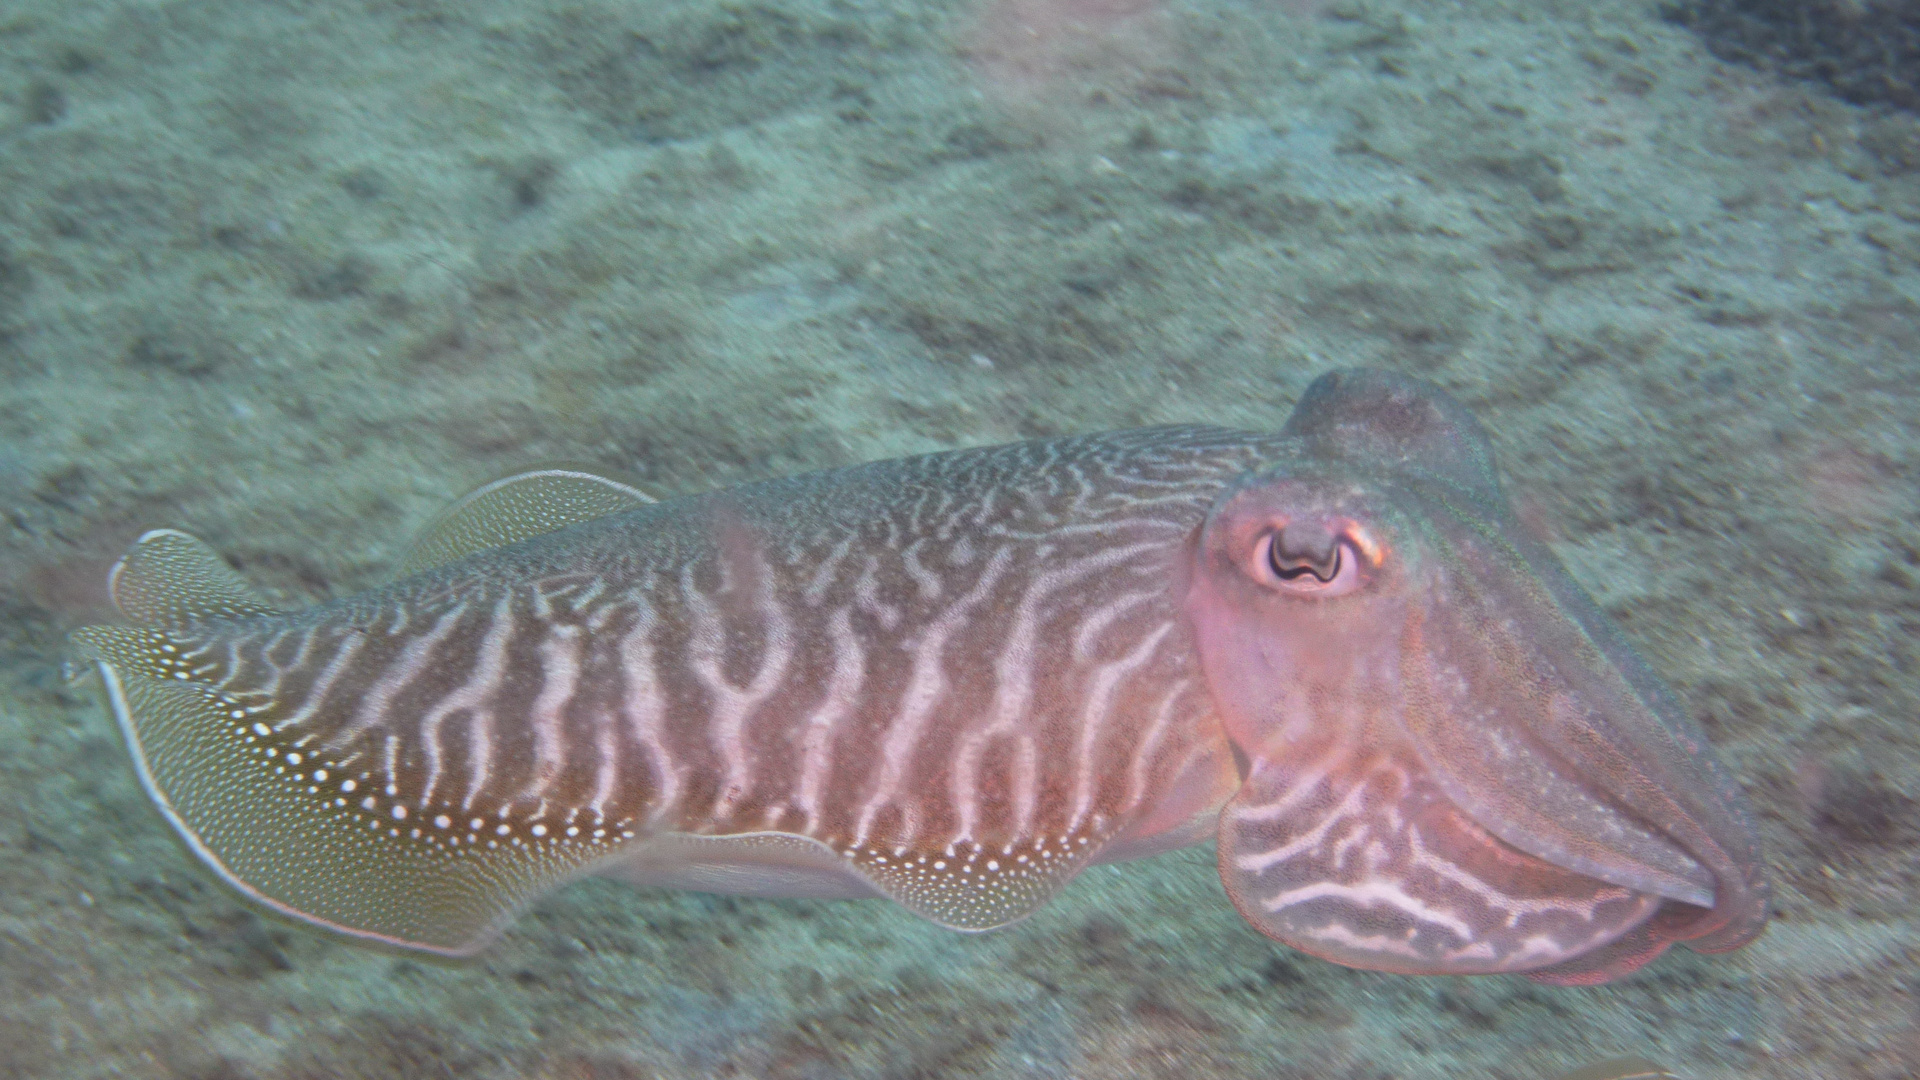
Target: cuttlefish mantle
{"x": 956, "y": 681}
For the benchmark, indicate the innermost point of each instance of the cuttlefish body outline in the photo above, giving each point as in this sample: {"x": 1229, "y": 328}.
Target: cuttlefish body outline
{"x": 955, "y": 681}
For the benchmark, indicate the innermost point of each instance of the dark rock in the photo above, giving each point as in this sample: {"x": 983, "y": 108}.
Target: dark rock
{"x": 1862, "y": 808}
{"x": 1868, "y": 51}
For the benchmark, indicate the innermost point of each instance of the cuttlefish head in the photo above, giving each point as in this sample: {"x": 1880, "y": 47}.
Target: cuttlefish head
{"x": 1453, "y": 761}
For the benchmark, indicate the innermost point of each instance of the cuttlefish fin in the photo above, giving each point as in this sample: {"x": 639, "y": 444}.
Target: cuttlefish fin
{"x": 1356, "y": 857}
{"x": 168, "y": 578}
{"x": 294, "y": 826}
{"x": 515, "y": 508}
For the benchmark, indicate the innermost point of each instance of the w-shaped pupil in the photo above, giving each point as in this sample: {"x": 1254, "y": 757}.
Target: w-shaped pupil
{"x": 1301, "y": 551}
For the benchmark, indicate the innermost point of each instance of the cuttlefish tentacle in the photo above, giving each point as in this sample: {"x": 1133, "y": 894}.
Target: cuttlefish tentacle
{"x": 956, "y": 681}
{"x": 1465, "y": 654}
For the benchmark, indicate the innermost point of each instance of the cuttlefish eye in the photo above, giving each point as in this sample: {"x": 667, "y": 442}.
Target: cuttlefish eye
{"x": 1314, "y": 558}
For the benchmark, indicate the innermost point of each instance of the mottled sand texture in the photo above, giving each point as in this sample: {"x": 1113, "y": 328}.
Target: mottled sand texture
{"x": 292, "y": 274}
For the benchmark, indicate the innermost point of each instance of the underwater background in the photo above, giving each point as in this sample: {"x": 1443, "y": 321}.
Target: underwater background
{"x": 293, "y": 274}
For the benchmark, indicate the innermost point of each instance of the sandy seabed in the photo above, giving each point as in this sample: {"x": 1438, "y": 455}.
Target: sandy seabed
{"x": 291, "y": 275}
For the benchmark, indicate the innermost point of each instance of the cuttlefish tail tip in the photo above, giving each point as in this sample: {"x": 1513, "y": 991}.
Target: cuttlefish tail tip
{"x": 298, "y": 828}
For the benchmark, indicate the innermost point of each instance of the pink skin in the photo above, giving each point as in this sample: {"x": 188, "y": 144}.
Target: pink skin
{"x": 1410, "y": 620}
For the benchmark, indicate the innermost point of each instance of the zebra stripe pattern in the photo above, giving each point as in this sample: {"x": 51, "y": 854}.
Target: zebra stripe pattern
{"x": 955, "y": 681}
{"x": 964, "y": 673}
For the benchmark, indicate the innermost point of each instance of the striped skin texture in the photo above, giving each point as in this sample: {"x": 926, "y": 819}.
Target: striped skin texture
{"x": 955, "y": 681}
{"x": 963, "y": 675}
{"x": 1456, "y": 764}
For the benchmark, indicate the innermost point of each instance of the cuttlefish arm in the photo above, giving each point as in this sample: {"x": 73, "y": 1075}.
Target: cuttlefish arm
{"x": 1454, "y": 761}
{"x": 956, "y": 681}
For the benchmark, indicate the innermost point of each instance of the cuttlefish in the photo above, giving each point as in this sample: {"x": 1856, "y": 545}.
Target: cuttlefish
{"x": 955, "y": 681}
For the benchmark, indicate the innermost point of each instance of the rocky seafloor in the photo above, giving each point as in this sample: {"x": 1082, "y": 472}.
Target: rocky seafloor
{"x": 291, "y": 275}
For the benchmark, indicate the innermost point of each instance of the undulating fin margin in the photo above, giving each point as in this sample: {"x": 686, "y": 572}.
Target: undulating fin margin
{"x": 297, "y": 827}
{"x": 168, "y": 578}
{"x": 515, "y": 508}
{"x": 280, "y": 826}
